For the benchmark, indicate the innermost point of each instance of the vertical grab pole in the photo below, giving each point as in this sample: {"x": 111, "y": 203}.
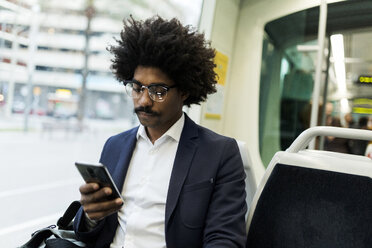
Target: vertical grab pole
{"x": 318, "y": 70}
{"x": 32, "y": 49}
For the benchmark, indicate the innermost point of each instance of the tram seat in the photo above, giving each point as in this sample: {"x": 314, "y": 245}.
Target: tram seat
{"x": 314, "y": 199}
{"x": 250, "y": 182}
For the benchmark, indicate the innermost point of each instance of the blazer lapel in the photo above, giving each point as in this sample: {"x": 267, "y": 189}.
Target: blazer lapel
{"x": 125, "y": 156}
{"x": 185, "y": 153}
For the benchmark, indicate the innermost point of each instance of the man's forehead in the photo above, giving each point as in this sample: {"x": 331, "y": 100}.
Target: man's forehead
{"x": 147, "y": 75}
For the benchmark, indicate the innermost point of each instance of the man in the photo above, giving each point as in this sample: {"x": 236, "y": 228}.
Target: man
{"x": 182, "y": 184}
{"x": 359, "y": 147}
{"x": 349, "y": 121}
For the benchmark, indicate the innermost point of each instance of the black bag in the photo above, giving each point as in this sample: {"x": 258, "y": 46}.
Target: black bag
{"x": 63, "y": 237}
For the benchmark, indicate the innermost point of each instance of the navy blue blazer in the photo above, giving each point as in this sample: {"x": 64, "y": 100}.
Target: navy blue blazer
{"x": 205, "y": 204}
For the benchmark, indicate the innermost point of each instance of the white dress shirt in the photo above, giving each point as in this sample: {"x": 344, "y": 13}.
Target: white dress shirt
{"x": 141, "y": 219}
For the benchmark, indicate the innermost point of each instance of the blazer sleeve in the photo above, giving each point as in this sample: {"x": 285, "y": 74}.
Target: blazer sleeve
{"x": 225, "y": 222}
{"x": 103, "y": 234}
{"x": 90, "y": 236}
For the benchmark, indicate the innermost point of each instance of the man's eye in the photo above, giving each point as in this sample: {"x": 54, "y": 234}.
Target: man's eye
{"x": 136, "y": 88}
{"x": 160, "y": 93}
{"x": 158, "y": 90}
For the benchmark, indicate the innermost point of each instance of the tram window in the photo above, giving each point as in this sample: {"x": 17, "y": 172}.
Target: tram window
{"x": 288, "y": 71}
{"x": 38, "y": 179}
{"x": 285, "y": 90}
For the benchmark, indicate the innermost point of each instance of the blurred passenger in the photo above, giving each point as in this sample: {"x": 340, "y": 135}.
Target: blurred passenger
{"x": 336, "y": 144}
{"x": 329, "y": 120}
{"x": 349, "y": 121}
{"x": 359, "y": 147}
{"x": 182, "y": 184}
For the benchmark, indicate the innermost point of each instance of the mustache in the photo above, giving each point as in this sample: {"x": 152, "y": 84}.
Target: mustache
{"x": 145, "y": 109}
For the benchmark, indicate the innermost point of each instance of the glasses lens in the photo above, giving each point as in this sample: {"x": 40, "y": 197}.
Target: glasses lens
{"x": 129, "y": 89}
{"x": 157, "y": 93}
{"x": 133, "y": 89}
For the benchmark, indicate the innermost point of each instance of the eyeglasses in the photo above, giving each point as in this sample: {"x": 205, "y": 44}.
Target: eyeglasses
{"x": 157, "y": 92}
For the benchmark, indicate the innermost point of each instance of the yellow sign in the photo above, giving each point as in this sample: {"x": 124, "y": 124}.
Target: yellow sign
{"x": 362, "y": 101}
{"x": 365, "y": 79}
{"x": 213, "y": 116}
{"x": 362, "y": 110}
{"x": 63, "y": 93}
{"x": 221, "y": 61}
{"x": 214, "y": 105}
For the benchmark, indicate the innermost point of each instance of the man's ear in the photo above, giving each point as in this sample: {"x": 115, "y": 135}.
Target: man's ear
{"x": 185, "y": 95}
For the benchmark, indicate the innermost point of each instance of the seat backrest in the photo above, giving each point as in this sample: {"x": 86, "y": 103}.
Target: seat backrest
{"x": 250, "y": 182}
{"x": 313, "y": 199}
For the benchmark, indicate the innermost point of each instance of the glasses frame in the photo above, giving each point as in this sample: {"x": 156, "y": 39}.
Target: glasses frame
{"x": 151, "y": 93}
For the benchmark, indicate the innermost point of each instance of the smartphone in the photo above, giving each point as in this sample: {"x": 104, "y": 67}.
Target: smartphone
{"x": 98, "y": 173}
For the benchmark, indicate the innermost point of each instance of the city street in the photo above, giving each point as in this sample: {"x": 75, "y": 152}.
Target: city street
{"x": 38, "y": 177}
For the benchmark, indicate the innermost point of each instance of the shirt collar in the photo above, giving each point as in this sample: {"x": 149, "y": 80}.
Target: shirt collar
{"x": 174, "y": 131}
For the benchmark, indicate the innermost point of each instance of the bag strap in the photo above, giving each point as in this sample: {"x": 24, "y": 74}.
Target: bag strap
{"x": 37, "y": 238}
{"x": 65, "y": 221}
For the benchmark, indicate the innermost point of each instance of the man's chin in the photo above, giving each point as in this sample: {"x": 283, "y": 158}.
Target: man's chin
{"x": 146, "y": 120}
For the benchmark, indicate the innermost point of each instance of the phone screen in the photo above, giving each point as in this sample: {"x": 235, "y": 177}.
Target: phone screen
{"x": 98, "y": 173}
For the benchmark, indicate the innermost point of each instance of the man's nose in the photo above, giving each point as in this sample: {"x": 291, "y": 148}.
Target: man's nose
{"x": 144, "y": 99}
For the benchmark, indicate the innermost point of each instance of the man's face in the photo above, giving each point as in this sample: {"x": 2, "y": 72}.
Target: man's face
{"x": 348, "y": 118}
{"x": 157, "y": 117}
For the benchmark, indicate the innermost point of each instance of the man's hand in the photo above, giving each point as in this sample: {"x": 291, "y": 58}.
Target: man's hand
{"x": 95, "y": 201}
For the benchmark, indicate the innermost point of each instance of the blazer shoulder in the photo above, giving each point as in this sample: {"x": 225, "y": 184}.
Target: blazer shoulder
{"x": 116, "y": 143}
{"x": 203, "y": 134}
{"x": 122, "y": 136}
{"x": 211, "y": 136}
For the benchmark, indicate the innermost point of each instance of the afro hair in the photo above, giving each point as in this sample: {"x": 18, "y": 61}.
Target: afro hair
{"x": 180, "y": 52}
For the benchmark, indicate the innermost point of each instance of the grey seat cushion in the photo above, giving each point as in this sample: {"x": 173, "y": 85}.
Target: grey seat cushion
{"x": 302, "y": 207}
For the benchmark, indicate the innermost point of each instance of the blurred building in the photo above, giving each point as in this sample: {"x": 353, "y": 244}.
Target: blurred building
{"x": 43, "y": 51}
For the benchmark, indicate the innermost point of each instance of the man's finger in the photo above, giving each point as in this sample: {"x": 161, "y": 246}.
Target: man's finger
{"x": 97, "y": 211}
{"x": 100, "y": 215}
{"x": 103, "y": 206}
{"x": 88, "y": 188}
{"x": 97, "y": 196}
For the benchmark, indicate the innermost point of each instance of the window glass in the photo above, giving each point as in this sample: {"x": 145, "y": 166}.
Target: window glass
{"x": 43, "y": 62}
{"x": 286, "y": 83}
{"x": 288, "y": 69}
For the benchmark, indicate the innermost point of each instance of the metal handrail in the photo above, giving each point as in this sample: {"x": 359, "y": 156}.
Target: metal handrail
{"x": 303, "y": 140}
